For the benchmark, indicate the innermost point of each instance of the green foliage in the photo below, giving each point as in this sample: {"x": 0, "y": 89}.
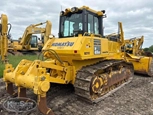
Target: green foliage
{"x": 146, "y": 49}
{"x": 14, "y": 60}
{"x": 149, "y": 49}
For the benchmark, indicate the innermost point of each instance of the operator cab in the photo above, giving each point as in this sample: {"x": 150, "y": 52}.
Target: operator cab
{"x": 77, "y": 21}
{"x": 34, "y": 41}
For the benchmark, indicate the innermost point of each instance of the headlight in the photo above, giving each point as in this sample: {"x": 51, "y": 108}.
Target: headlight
{"x": 103, "y": 11}
{"x": 74, "y": 9}
{"x": 62, "y": 13}
{"x": 51, "y": 36}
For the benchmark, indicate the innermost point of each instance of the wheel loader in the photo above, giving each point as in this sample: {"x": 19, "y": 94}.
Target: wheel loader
{"x": 81, "y": 56}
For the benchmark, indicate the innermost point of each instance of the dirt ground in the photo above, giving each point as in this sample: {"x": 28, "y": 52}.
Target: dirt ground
{"x": 135, "y": 98}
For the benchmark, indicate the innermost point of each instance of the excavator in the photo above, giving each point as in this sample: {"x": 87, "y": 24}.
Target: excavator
{"x": 81, "y": 56}
{"x": 30, "y": 42}
{"x": 134, "y": 45}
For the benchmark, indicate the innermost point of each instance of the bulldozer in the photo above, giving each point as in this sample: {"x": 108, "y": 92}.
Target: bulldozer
{"x": 81, "y": 56}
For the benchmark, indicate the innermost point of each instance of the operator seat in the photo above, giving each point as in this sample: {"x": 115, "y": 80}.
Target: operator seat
{"x": 75, "y": 27}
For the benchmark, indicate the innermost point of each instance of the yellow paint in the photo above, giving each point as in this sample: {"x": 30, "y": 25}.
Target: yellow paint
{"x": 3, "y": 37}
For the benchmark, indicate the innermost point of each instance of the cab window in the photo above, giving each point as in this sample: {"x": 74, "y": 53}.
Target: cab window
{"x": 93, "y": 25}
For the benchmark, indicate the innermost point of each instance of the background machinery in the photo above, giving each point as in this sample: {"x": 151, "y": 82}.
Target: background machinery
{"x": 30, "y": 42}
{"x": 142, "y": 61}
{"x": 3, "y": 37}
{"x": 134, "y": 46}
{"x": 81, "y": 56}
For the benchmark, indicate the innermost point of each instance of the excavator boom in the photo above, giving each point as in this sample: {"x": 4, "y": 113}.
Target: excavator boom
{"x": 34, "y": 29}
{"x": 3, "y": 37}
{"x": 29, "y": 41}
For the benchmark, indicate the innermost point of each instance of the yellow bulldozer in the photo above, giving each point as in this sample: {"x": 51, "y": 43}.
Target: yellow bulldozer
{"x": 81, "y": 56}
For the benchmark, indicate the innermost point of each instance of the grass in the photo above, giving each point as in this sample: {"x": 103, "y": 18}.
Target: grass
{"x": 14, "y": 60}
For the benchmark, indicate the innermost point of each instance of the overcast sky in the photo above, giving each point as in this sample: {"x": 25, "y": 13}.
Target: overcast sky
{"x": 136, "y": 15}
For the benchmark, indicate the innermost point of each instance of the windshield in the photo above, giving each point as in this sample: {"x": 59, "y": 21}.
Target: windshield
{"x": 71, "y": 25}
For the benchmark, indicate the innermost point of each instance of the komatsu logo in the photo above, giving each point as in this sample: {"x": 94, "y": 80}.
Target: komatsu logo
{"x": 63, "y": 44}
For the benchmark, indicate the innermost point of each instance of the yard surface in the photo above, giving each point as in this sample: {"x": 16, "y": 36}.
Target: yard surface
{"x": 135, "y": 98}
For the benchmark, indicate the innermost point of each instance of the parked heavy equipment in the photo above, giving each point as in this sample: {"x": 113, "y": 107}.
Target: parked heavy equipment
{"x": 3, "y": 37}
{"x": 81, "y": 56}
{"x": 142, "y": 61}
{"x": 30, "y": 42}
{"x": 134, "y": 45}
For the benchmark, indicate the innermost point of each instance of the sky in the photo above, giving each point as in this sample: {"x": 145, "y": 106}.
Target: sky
{"x": 135, "y": 15}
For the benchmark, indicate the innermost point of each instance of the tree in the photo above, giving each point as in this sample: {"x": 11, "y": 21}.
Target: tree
{"x": 151, "y": 48}
{"x": 146, "y": 49}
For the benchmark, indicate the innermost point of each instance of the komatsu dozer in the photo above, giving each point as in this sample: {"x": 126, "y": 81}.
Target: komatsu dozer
{"x": 81, "y": 56}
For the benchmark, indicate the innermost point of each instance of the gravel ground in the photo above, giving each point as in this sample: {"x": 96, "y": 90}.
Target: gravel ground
{"x": 135, "y": 98}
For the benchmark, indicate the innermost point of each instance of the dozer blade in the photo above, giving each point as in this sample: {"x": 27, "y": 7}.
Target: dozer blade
{"x": 144, "y": 66}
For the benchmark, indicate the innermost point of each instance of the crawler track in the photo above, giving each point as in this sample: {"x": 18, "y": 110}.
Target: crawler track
{"x": 109, "y": 73}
